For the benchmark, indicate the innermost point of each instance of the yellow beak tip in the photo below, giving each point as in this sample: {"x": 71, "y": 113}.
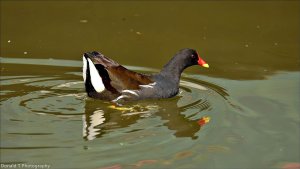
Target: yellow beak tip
{"x": 206, "y": 65}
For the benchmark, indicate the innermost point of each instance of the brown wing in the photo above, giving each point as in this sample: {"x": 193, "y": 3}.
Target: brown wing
{"x": 120, "y": 77}
{"x": 124, "y": 79}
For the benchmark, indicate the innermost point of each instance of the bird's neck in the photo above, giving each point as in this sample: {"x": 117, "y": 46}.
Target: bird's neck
{"x": 173, "y": 69}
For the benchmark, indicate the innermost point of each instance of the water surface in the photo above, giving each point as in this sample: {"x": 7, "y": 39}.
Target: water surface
{"x": 250, "y": 93}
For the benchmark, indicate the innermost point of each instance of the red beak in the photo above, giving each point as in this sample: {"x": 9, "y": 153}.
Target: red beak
{"x": 201, "y": 62}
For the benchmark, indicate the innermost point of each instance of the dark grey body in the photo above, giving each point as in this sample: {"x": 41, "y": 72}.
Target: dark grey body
{"x": 124, "y": 85}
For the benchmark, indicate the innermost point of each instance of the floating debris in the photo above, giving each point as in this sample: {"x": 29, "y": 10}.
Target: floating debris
{"x": 246, "y": 45}
{"x": 184, "y": 154}
{"x": 83, "y": 21}
{"x": 25, "y": 53}
{"x": 144, "y": 162}
{"x": 117, "y": 166}
{"x": 138, "y": 33}
{"x": 8, "y": 41}
{"x": 291, "y": 165}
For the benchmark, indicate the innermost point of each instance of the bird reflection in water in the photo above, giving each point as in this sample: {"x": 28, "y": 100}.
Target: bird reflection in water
{"x": 91, "y": 124}
{"x": 97, "y": 122}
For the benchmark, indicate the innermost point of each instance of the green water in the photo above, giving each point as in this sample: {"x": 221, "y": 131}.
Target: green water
{"x": 250, "y": 92}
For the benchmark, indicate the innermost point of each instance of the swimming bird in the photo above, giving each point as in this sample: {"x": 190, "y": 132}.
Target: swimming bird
{"x": 107, "y": 80}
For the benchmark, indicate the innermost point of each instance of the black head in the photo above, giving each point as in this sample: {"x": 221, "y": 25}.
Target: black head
{"x": 190, "y": 57}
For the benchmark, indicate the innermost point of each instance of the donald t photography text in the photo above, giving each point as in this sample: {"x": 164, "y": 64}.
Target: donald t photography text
{"x": 31, "y": 166}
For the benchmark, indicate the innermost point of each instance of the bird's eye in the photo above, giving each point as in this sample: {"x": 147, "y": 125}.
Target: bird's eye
{"x": 194, "y": 56}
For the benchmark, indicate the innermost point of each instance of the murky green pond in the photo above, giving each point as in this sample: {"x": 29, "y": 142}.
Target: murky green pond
{"x": 250, "y": 93}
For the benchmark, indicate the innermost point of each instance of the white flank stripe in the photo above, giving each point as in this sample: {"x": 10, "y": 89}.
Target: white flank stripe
{"x": 84, "y": 67}
{"x": 151, "y": 85}
{"x": 95, "y": 77}
{"x": 130, "y": 91}
{"x": 120, "y": 97}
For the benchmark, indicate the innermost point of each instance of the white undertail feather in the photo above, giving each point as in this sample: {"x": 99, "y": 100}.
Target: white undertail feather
{"x": 84, "y": 67}
{"x": 95, "y": 77}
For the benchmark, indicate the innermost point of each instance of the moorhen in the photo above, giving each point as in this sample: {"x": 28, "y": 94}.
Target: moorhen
{"x": 105, "y": 79}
